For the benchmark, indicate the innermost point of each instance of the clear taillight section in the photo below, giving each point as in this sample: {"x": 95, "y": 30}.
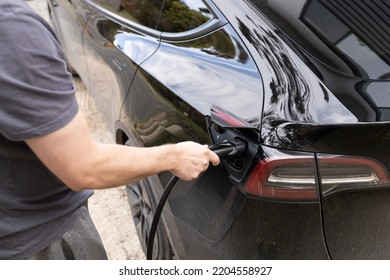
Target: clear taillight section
{"x": 344, "y": 173}
{"x": 293, "y": 176}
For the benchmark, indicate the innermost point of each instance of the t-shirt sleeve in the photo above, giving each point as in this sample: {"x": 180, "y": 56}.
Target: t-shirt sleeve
{"x": 37, "y": 95}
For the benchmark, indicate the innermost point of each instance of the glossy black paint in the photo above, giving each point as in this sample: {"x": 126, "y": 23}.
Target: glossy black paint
{"x": 112, "y": 54}
{"x": 334, "y": 114}
{"x": 274, "y": 69}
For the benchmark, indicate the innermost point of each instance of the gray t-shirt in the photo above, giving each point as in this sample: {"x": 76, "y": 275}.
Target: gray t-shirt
{"x": 36, "y": 98}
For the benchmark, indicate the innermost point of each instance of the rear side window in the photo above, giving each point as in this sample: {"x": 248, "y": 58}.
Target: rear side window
{"x": 144, "y": 12}
{"x": 350, "y": 36}
{"x": 357, "y": 32}
{"x": 183, "y": 15}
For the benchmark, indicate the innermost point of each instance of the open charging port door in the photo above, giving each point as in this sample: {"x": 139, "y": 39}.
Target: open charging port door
{"x": 225, "y": 127}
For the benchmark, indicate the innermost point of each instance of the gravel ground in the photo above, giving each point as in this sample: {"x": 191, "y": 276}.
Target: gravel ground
{"x": 109, "y": 208}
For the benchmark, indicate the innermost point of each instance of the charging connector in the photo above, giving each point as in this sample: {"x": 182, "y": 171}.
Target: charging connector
{"x": 227, "y": 149}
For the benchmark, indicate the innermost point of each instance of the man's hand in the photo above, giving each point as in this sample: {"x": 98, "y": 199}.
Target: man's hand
{"x": 192, "y": 159}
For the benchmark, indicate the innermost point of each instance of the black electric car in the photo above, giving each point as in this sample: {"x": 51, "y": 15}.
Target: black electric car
{"x": 304, "y": 84}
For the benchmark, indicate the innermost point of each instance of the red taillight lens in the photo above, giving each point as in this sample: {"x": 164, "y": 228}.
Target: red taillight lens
{"x": 293, "y": 177}
{"x": 343, "y": 173}
{"x": 284, "y": 179}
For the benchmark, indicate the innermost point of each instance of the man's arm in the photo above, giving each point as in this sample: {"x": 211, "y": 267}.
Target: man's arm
{"x": 72, "y": 155}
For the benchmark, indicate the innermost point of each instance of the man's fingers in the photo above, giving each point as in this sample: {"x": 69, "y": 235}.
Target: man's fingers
{"x": 214, "y": 159}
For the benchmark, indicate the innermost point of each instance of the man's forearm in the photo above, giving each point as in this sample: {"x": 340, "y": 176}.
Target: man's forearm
{"x": 72, "y": 155}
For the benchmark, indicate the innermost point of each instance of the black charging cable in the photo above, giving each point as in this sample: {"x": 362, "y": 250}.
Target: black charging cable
{"x": 225, "y": 150}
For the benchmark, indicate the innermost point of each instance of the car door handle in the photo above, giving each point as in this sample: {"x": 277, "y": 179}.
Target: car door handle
{"x": 54, "y": 3}
{"x": 119, "y": 64}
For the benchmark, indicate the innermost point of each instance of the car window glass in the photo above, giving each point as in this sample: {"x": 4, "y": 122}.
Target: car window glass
{"x": 352, "y": 37}
{"x": 145, "y": 12}
{"x": 183, "y": 15}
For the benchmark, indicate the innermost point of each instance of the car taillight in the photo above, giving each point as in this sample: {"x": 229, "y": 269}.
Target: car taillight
{"x": 292, "y": 176}
{"x": 344, "y": 173}
{"x": 278, "y": 178}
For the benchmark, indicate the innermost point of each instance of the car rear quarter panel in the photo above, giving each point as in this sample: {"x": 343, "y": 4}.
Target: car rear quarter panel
{"x": 171, "y": 95}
